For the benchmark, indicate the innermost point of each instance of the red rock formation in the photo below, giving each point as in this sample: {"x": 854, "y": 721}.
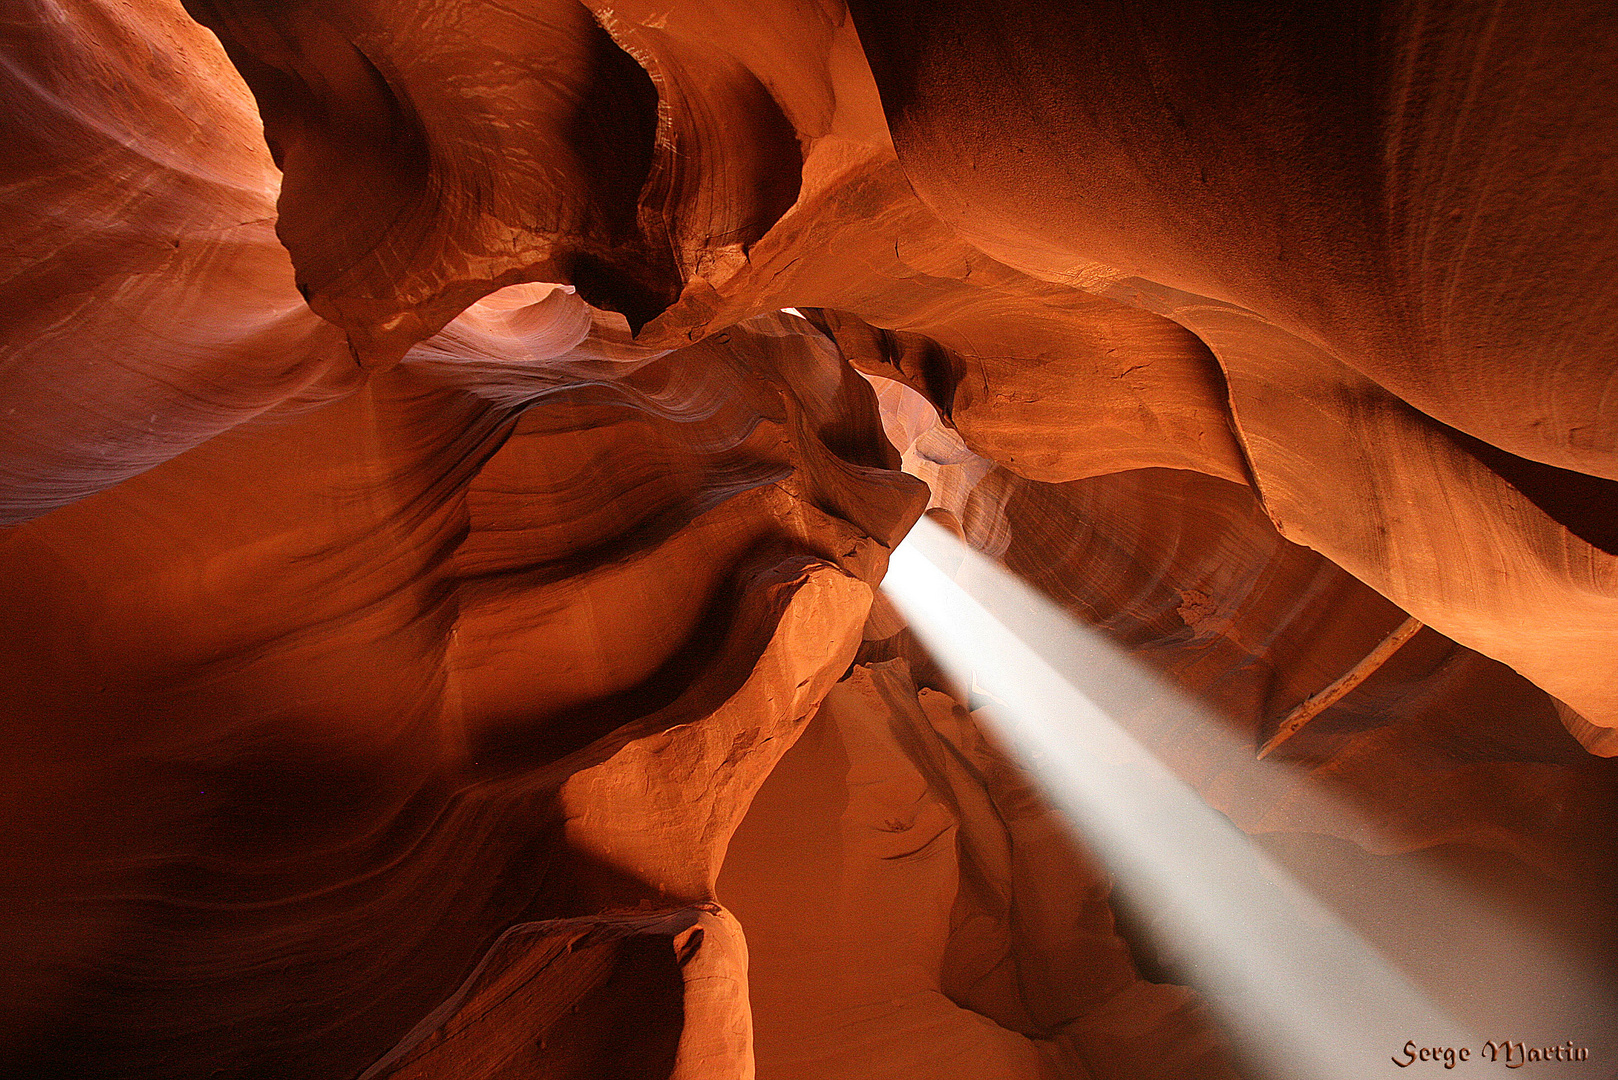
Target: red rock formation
{"x": 901, "y": 884}
{"x": 386, "y": 667}
{"x": 1381, "y": 220}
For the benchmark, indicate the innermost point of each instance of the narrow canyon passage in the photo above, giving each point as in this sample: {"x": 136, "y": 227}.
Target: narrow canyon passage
{"x": 451, "y": 455}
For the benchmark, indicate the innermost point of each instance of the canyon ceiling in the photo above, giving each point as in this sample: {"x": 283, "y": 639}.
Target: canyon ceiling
{"x": 449, "y": 452}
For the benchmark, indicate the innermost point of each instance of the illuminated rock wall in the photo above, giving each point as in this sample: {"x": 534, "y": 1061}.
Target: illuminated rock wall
{"x": 393, "y": 640}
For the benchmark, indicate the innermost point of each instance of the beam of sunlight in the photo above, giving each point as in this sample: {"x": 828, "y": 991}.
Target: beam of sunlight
{"x": 1304, "y": 996}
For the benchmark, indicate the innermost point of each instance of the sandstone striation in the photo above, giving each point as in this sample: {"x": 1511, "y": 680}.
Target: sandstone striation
{"x": 448, "y": 454}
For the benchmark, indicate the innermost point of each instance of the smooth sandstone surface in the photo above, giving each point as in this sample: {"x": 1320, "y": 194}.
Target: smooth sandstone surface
{"x": 447, "y": 453}
{"x": 902, "y": 885}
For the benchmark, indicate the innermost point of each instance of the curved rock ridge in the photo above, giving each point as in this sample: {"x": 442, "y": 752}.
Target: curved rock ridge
{"x": 902, "y": 884}
{"x": 1335, "y": 331}
{"x": 1476, "y": 556}
{"x": 148, "y": 304}
{"x": 307, "y": 715}
{"x": 434, "y": 153}
{"x": 556, "y": 998}
{"x": 1418, "y": 190}
{"x": 1185, "y": 573}
{"x": 1440, "y": 808}
{"x": 1392, "y": 226}
{"x": 436, "y": 490}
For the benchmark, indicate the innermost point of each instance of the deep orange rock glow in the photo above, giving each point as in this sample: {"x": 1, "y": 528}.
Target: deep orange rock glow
{"x": 449, "y": 453}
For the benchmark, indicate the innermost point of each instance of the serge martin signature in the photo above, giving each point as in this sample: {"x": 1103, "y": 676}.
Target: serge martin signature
{"x": 1513, "y": 1055}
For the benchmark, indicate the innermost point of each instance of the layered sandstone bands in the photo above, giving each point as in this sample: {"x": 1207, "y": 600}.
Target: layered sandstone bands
{"x": 426, "y": 530}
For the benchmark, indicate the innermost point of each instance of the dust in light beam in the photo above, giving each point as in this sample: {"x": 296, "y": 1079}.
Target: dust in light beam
{"x": 1305, "y": 996}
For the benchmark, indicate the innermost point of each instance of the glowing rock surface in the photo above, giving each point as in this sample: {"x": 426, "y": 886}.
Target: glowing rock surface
{"x": 425, "y": 531}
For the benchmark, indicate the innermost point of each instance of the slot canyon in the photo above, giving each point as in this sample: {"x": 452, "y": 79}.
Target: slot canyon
{"x": 451, "y": 452}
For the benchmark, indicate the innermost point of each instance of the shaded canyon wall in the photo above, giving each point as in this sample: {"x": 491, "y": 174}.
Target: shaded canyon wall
{"x": 425, "y": 530}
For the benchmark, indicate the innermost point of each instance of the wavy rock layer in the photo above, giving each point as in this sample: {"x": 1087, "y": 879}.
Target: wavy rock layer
{"x": 436, "y": 663}
{"x": 690, "y": 178}
{"x": 149, "y": 306}
{"x": 426, "y": 530}
{"x": 1439, "y": 795}
{"x": 1392, "y": 226}
{"x": 1438, "y": 745}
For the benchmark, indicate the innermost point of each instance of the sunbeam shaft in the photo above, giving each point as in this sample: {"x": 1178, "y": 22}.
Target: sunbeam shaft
{"x": 1306, "y": 998}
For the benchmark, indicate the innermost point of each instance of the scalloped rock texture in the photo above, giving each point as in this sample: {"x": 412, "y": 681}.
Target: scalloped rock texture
{"x": 439, "y": 490}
